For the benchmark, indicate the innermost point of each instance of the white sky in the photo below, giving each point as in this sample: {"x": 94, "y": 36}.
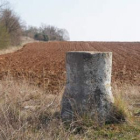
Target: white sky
{"x": 85, "y": 20}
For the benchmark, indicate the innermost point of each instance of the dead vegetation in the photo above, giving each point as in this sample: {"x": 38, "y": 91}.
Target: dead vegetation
{"x": 28, "y": 112}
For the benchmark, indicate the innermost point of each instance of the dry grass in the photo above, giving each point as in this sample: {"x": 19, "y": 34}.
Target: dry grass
{"x": 29, "y": 113}
{"x": 25, "y": 110}
{"x": 126, "y": 97}
{"x": 26, "y": 40}
{"x": 12, "y": 49}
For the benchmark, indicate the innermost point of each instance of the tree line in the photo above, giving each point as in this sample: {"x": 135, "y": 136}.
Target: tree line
{"x": 12, "y": 29}
{"x": 47, "y": 33}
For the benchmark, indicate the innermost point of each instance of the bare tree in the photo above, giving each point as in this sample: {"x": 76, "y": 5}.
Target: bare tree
{"x": 13, "y": 25}
{"x": 3, "y": 5}
{"x": 64, "y": 35}
{"x": 4, "y": 35}
{"x": 30, "y": 31}
{"x": 55, "y": 33}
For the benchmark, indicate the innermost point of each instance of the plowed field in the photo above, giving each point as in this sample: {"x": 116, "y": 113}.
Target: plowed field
{"x": 44, "y": 63}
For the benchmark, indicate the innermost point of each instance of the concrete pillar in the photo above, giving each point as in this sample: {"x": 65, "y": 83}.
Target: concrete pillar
{"x": 88, "y": 89}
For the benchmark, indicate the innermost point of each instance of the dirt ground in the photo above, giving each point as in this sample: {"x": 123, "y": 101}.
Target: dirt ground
{"x": 44, "y": 63}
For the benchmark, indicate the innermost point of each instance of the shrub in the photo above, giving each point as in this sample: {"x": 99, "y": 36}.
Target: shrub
{"x": 4, "y": 37}
{"x": 41, "y": 37}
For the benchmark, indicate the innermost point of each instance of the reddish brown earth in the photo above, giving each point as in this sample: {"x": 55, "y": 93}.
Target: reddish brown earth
{"x": 44, "y": 63}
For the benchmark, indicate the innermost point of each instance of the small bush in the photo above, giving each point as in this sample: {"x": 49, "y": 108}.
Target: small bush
{"x": 41, "y": 37}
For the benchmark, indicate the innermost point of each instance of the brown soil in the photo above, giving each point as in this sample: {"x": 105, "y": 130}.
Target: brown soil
{"x": 44, "y": 63}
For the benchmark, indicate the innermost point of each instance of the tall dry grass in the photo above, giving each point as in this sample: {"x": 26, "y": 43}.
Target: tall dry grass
{"x": 29, "y": 113}
{"x": 25, "y": 110}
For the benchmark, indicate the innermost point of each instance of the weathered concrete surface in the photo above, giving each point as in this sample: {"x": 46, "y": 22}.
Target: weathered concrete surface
{"x": 88, "y": 90}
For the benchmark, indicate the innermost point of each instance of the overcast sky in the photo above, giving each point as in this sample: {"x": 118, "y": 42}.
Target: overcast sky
{"x": 85, "y": 20}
